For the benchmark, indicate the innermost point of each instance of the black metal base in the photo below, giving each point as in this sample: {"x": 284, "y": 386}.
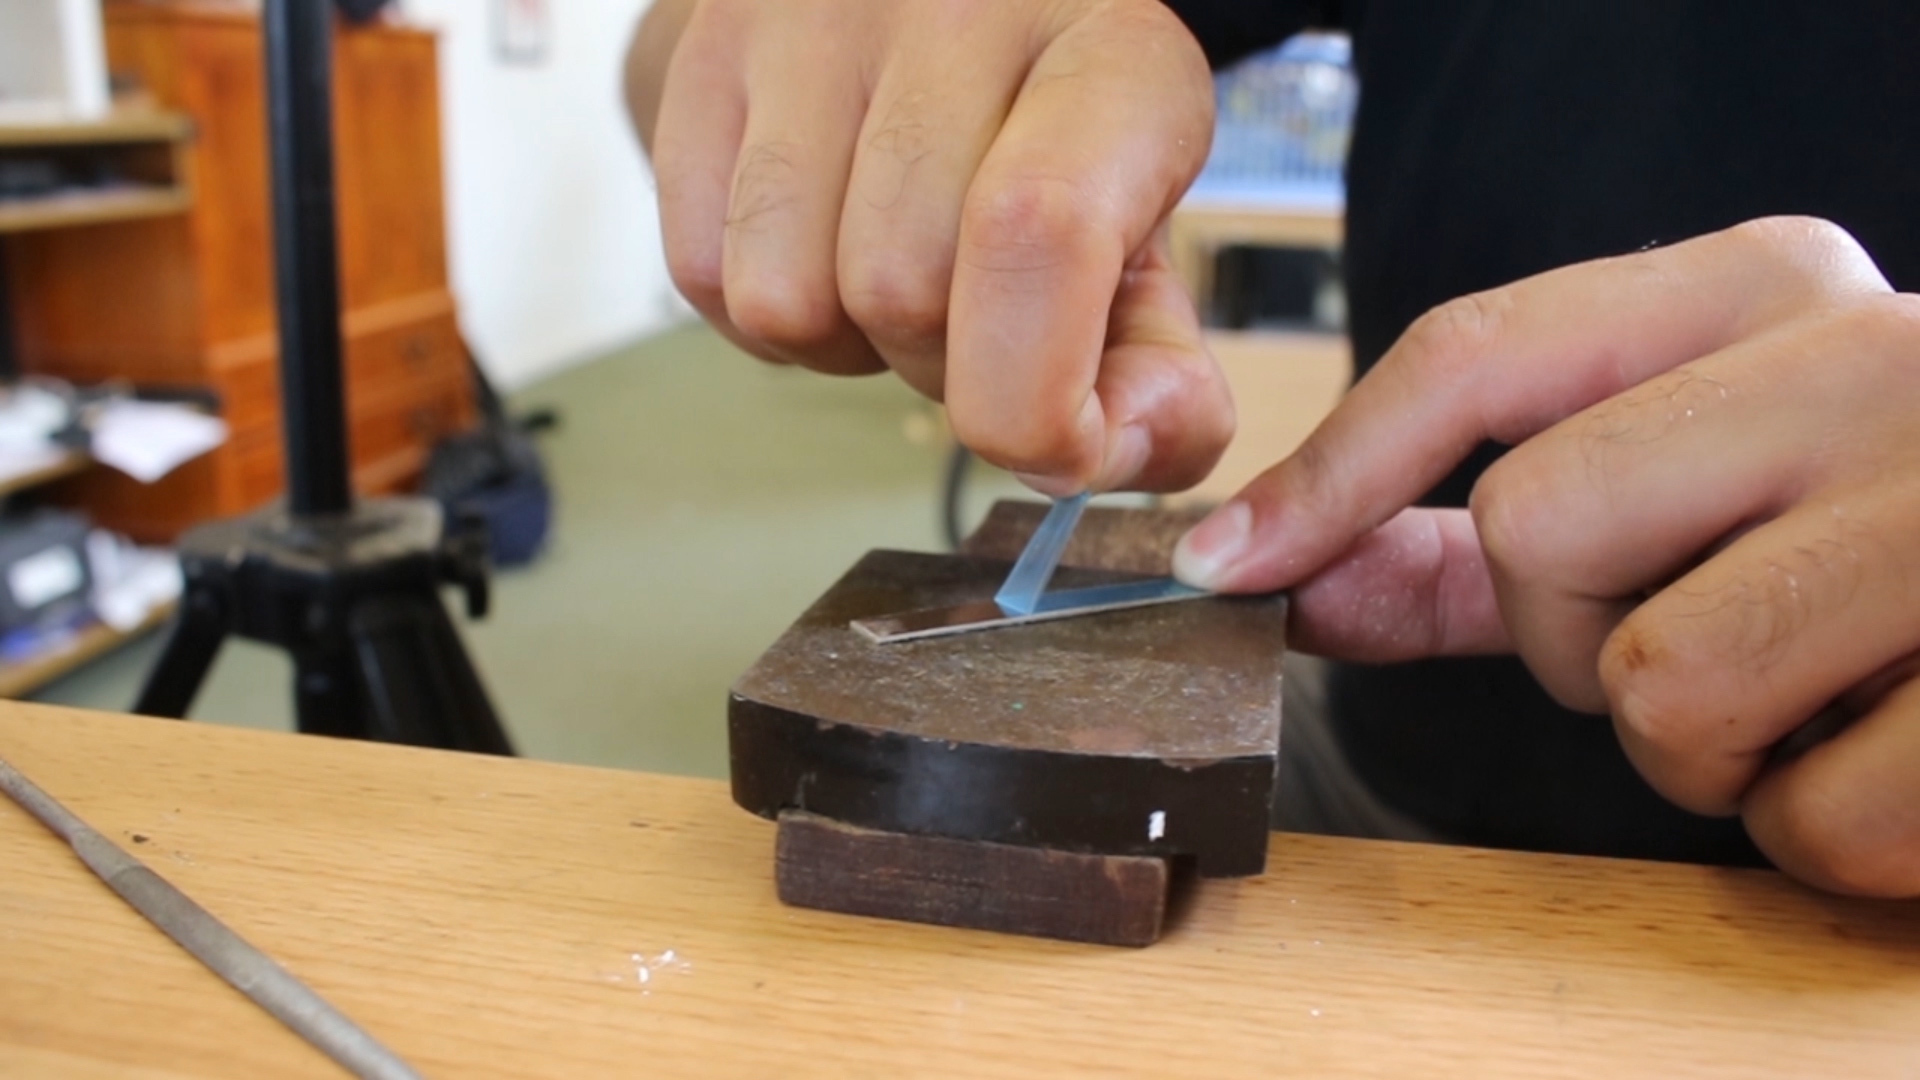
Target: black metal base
{"x": 355, "y": 600}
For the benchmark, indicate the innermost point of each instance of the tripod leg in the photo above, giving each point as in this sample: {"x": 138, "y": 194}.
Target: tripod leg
{"x": 326, "y": 694}
{"x": 420, "y": 686}
{"x": 189, "y": 655}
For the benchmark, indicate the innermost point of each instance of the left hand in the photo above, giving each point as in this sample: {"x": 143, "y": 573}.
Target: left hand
{"x": 1708, "y": 526}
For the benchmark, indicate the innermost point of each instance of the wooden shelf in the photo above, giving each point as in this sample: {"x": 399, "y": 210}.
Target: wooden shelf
{"x": 90, "y": 207}
{"x": 24, "y": 677}
{"x": 72, "y": 463}
{"x": 147, "y": 149}
{"x": 115, "y": 128}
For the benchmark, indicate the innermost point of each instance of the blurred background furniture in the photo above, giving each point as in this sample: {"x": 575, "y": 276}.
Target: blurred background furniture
{"x": 1257, "y": 243}
{"x": 62, "y": 176}
{"x": 185, "y": 302}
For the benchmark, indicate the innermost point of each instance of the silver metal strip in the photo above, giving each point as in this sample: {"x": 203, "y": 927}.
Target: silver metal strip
{"x": 990, "y": 614}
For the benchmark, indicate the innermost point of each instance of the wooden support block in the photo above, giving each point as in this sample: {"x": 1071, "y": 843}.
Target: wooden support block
{"x": 1008, "y": 779}
{"x": 1100, "y": 899}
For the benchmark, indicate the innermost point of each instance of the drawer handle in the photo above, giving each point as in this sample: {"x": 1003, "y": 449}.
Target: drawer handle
{"x": 418, "y": 350}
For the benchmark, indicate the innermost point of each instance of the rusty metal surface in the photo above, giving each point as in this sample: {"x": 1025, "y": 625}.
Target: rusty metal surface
{"x": 1109, "y": 538}
{"x": 1196, "y": 681}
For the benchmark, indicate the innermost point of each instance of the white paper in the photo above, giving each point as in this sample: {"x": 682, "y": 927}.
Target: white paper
{"x": 129, "y": 582}
{"x": 147, "y": 440}
{"x": 44, "y": 576}
{"x": 29, "y": 417}
{"x": 16, "y": 462}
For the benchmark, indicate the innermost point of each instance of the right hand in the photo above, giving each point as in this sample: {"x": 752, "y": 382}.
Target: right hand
{"x": 972, "y": 193}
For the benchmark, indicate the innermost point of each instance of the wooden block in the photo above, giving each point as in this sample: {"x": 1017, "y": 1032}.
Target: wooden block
{"x": 1039, "y": 779}
{"x": 1151, "y": 731}
{"x": 1100, "y": 899}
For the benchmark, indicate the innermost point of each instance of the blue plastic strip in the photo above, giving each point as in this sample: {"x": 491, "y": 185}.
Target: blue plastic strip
{"x": 1025, "y": 586}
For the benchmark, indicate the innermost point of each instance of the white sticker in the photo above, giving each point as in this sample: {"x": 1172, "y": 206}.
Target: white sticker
{"x": 1156, "y": 824}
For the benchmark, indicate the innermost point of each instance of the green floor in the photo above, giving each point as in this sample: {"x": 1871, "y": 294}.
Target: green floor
{"x": 704, "y": 501}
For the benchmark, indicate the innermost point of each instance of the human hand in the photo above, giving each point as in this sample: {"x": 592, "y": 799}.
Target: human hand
{"x": 1708, "y": 526}
{"x": 972, "y": 193}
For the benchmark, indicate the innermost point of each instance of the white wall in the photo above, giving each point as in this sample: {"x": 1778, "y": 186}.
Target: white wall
{"x": 53, "y": 63}
{"x": 554, "y": 232}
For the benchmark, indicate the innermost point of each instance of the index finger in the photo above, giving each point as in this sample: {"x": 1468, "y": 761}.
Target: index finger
{"x": 1111, "y": 126}
{"x": 1505, "y": 365}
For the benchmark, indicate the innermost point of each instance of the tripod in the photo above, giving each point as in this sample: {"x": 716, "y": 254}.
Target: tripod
{"x": 351, "y": 590}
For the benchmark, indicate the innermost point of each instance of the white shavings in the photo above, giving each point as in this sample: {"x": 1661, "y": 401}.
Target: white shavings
{"x": 646, "y": 967}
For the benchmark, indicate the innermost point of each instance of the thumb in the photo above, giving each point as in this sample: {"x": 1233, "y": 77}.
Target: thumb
{"x": 1168, "y": 413}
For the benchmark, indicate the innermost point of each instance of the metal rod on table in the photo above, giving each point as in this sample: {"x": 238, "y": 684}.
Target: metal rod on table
{"x": 198, "y": 931}
{"x": 299, "y": 42}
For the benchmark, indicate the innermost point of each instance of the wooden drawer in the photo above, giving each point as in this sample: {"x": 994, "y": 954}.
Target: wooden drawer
{"x": 399, "y": 363}
{"x": 259, "y": 470}
{"x": 391, "y": 440}
{"x": 249, "y": 393}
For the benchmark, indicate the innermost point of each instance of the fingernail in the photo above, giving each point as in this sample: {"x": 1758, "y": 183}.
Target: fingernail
{"x": 1053, "y": 487}
{"x": 1204, "y": 555}
{"x": 1125, "y": 458}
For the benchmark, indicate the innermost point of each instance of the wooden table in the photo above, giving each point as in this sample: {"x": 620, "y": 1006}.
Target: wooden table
{"x": 494, "y": 918}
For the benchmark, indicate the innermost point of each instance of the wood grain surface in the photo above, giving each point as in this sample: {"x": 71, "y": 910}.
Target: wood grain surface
{"x": 497, "y": 918}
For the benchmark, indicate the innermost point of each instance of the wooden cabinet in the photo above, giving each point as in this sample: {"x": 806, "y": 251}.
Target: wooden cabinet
{"x": 188, "y": 301}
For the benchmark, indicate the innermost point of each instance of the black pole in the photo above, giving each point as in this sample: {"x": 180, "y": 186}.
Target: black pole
{"x": 9, "y": 356}
{"x": 306, "y": 257}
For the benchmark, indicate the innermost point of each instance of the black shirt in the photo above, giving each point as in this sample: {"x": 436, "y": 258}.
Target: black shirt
{"x": 1496, "y": 140}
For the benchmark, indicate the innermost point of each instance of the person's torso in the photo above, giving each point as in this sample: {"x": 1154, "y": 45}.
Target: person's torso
{"x": 1500, "y": 139}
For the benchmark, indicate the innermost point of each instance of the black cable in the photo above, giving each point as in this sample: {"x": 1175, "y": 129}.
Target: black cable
{"x": 956, "y": 483}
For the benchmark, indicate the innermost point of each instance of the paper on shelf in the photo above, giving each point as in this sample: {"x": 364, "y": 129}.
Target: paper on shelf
{"x": 130, "y": 582}
{"x": 147, "y": 440}
{"x": 18, "y": 461}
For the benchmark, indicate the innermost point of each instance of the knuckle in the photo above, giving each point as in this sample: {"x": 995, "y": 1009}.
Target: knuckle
{"x": 1182, "y": 57}
{"x": 1825, "y": 255}
{"x": 1832, "y": 843}
{"x": 1632, "y": 663}
{"x": 1450, "y": 342}
{"x": 1795, "y": 233}
{"x": 1893, "y": 318}
{"x": 1029, "y": 223}
{"x": 1507, "y": 518}
{"x": 785, "y": 313}
{"x": 694, "y": 264}
{"x": 1308, "y": 477}
{"x": 696, "y": 270}
{"x": 897, "y": 298}
{"x": 765, "y": 183}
